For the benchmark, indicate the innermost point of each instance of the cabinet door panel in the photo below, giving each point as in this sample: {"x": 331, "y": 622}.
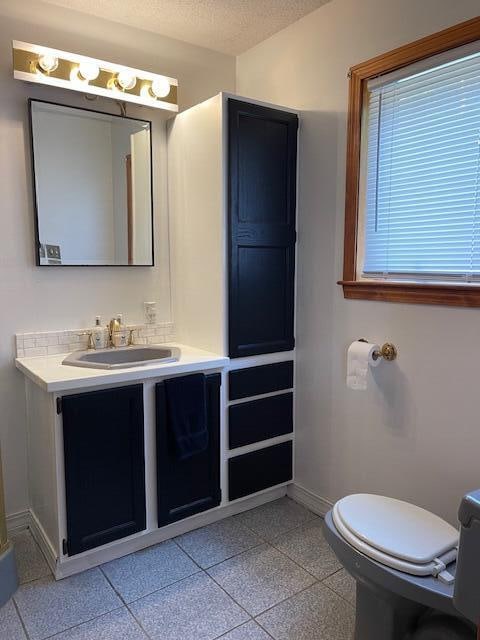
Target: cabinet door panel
{"x": 104, "y": 466}
{"x": 263, "y": 170}
{"x": 264, "y": 272}
{"x": 186, "y": 487}
{"x": 262, "y": 200}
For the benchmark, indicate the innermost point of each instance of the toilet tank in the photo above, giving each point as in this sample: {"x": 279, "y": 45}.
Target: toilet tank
{"x": 466, "y": 596}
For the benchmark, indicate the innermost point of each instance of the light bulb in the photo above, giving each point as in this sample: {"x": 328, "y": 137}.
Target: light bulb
{"x": 88, "y": 71}
{"x": 47, "y": 62}
{"x": 126, "y": 80}
{"x": 160, "y": 87}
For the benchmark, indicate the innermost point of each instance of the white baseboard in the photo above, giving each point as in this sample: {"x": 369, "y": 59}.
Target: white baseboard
{"x": 27, "y": 520}
{"x": 43, "y": 542}
{"x": 66, "y": 566}
{"x": 18, "y": 521}
{"x": 315, "y": 503}
{"x": 61, "y": 568}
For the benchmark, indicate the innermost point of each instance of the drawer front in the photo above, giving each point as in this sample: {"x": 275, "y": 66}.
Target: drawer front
{"x": 258, "y": 420}
{"x": 254, "y": 381}
{"x": 259, "y": 470}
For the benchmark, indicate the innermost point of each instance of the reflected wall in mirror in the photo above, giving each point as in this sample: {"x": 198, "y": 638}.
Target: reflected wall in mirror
{"x": 93, "y": 187}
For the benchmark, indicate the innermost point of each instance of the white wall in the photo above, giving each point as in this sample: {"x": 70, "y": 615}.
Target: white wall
{"x": 33, "y": 298}
{"x": 415, "y": 433}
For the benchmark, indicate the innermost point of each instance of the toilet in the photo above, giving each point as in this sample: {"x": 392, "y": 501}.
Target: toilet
{"x": 404, "y": 561}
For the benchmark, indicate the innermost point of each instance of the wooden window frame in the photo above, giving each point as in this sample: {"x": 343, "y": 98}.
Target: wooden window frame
{"x": 464, "y": 295}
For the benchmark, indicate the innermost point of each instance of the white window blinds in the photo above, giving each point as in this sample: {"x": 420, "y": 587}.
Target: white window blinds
{"x": 422, "y": 203}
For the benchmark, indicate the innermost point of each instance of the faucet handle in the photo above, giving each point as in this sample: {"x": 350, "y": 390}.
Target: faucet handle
{"x": 91, "y": 344}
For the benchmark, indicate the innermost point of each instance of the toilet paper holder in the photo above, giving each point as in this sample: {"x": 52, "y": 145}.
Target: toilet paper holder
{"x": 388, "y": 351}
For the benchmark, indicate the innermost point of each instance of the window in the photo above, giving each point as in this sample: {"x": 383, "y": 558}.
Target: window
{"x": 422, "y": 202}
{"x": 413, "y": 173}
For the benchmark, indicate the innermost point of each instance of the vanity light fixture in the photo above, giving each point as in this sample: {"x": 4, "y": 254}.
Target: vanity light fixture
{"x": 42, "y": 65}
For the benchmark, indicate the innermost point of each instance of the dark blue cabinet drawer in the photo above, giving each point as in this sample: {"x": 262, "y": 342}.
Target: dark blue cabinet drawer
{"x": 258, "y": 420}
{"x": 254, "y": 381}
{"x": 259, "y": 470}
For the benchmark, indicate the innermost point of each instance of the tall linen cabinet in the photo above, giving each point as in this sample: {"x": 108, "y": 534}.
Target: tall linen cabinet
{"x": 232, "y": 200}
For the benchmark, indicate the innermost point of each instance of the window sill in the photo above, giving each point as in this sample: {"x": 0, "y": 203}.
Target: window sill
{"x": 452, "y": 295}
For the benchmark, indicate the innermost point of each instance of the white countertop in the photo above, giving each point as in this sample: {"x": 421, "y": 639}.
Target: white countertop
{"x": 51, "y": 375}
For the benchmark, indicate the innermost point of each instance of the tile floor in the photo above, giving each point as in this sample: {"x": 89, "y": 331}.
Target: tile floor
{"x": 267, "y": 573}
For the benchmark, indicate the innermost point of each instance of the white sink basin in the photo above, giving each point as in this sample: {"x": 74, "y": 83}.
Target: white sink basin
{"x": 123, "y": 357}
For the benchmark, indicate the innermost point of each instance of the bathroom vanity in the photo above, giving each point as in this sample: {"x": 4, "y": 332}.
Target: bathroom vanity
{"x": 102, "y": 475}
{"x": 103, "y": 479}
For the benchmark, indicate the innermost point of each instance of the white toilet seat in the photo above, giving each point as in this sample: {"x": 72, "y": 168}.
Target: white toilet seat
{"x": 397, "y": 534}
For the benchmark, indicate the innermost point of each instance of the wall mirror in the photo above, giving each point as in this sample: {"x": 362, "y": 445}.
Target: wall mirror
{"x": 92, "y": 176}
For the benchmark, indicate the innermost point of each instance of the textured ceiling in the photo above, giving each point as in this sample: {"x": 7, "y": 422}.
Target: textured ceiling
{"x": 229, "y": 26}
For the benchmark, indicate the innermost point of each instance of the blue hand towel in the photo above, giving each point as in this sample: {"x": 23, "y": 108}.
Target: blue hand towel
{"x": 187, "y": 414}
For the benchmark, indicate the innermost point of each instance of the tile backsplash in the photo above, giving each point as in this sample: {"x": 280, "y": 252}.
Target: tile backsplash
{"x": 46, "y": 343}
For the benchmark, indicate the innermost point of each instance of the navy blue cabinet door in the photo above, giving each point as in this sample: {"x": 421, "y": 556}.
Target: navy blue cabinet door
{"x": 186, "y": 487}
{"x": 262, "y": 203}
{"x": 104, "y": 466}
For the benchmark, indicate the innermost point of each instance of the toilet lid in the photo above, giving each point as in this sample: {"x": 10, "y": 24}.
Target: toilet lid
{"x": 395, "y": 528}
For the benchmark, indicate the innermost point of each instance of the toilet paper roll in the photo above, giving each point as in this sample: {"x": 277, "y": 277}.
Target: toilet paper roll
{"x": 359, "y": 358}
